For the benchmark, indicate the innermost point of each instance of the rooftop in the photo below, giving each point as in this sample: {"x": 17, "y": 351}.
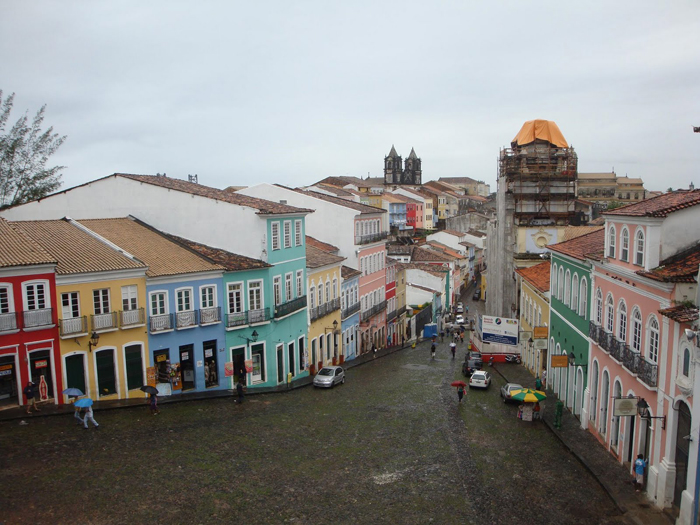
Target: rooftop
{"x": 540, "y": 129}
{"x": 18, "y": 249}
{"x": 312, "y": 241}
{"x": 537, "y": 275}
{"x": 348, "y": 273}
{"x": 589, "y": 245}
{"x": 316, "y": 258}
{"x": 659, "y": 206}
{"x": 357, "y": 206}
{"x": 681, "y": 313}
{"x": 230, "y": 261}
{"x": 679, "y": 268}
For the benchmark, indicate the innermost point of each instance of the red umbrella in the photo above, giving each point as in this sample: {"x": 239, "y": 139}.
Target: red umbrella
{"x": 458, "y": 383}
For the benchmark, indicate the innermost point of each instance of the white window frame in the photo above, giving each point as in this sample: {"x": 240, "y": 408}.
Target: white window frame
{"x": 554, "y": 281}
{"x": 275, "y": 235}
{"x": 300, "y": 283}
{"x": 622, "y": 321}
{"x": 611, "y": 242}
{"x": 567, "y": 288}
{"x": 130, "y": 294}
{"x": 166, "y": 306}
{"x": 574, "y": 293}
{"x": 312, "y": 296}
{"x": 637, "y": 323}
{"x": 583, "y": 299}
{"x": 639, "y": 250}
{"x": 34, "y": 285}
{"x": 9, "y": 299}
{"x": 610, "y": 313}
{"x": 71, "y": 314}
{"x": 102, "y": 311}
{"x": 298, "y": 241}
{"x": 653, "y": 338}
{"x": 599, "y": 307}
{"x": 235, "y": 288}
{"x": 184, "y": 292}
{"x": 288, "y": 286}
{"x": 277, "y": 289}
{"x": 560, "y": 284}
{"x": 287, "y": 234}
{"x": 204, "y": 302}
{"x": 256, "y": 287}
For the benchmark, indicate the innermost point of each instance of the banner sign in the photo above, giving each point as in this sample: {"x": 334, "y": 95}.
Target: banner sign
{"x": 626, "y": 406}
{"x": 248, "y": 366}
{"x": 500, "y": 330}
{"x": 559, "y": 361}
{"x": 228, "y": 369}
{"x": 151, "y": 375}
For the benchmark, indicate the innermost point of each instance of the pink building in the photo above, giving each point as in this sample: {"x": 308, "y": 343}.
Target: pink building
{"x": 644, "y": 293}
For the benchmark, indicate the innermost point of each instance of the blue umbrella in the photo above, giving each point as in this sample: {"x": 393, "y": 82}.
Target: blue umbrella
{"x": 85, "y": 402}
{"x": 73, "y": 392}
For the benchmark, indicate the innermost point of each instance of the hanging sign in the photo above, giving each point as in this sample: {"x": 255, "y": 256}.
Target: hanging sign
{"x": 161, "y": 357}
{"x": 228, "y": 369}
{"x": 540, "y": 332}
{"x": 626, "y": 406}
{"x": 185, "y": 356}
{"x": 559, "y": 361}
{"x": 248, "y": 365}
{"x": 540, "y": 344}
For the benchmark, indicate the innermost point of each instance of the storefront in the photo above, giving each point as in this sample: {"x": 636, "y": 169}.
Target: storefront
{"x": 211, "y": 371}
{"x": 9, "y": 381}
{"x": 40, "y": 369}
{"x": 187, "y": 367}
{"x": 257, "y": 354}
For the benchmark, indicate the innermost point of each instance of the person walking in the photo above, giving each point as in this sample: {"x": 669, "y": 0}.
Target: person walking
{"x": 544, "y": 378}
{"x": 154, "y": 405}
{"x": 30, "y": 392}
{"x": 89, "y": 417}
{"x": 77, "y": 414}
{"x": 239, "y": 391}
{"x": 432, "y": 351}
{"x": 538, "y": 383}
{"x": 640, "y": 465}
{"x": 442, "y": 336}
{"x": 460, "y": 392}
{"x": 453, "y": 348}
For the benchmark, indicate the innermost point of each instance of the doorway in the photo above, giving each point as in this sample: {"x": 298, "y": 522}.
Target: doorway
{"x": 211, "y": 370}
{"x": 187, "y": 367}
{"x": 682, "y": 452}
{"x": 8, "y": 382}
{"x": 75, "y": 372}
{"x": 40, "y": 370}
{"x": 280, "y": 364}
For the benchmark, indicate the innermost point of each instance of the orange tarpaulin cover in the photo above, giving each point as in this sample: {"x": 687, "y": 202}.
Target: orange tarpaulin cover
{"x": 540, "y": 129}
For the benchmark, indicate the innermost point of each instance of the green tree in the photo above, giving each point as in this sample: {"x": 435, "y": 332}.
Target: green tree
{"x": 24, "y": 151}
{"x": 614, "y": 204}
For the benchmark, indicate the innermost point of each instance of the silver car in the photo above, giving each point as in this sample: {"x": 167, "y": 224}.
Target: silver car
{"x": 329, "y": 376}
{"x": 508, "y": 389}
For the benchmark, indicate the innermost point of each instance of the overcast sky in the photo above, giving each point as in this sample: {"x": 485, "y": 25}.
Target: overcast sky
{"x": 294, "y": 91}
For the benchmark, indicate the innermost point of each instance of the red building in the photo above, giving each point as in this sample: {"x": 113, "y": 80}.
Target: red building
{"x": 393, "y": 336}
{"x": 29, "y": 347}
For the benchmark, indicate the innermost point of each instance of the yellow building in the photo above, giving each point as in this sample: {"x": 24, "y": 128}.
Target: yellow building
{"x": 102, "y": 295}
{"x": 323, "y": 279}
{"x": 534, "y": 314}
{"x": 401, "y": 301}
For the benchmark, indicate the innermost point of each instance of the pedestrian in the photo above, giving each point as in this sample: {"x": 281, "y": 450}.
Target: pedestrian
{"x": 374, "y": 348}
{"x": 432, "y": 351}
{"x": 30, "y": 392}
{"x": 89, "y": 417}
{"x": 460, "y": 392}
{"x": 544, "y": 378}
{"x": 388, "y": 341}
{"x": 154, "y": 405}
{"x": 241, "y": 376}
{"x": 442, "y": 335}
{"x": 461, "y": 335}
{"x": 453, "y": 349}
{"x": 403, "y": 340}
{"x": 639, "y": 465}
{"x": 538, "y": 383}
{"x": 536, "y": 411}
{"x": 77, "y": 414}
{"x": 206, "y": 374}
{"x": 239, "y": 391}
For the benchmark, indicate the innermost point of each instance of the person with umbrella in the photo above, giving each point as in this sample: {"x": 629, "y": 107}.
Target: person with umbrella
{"x": 153, "y": 401}
{"x": 461, "y": 388}
{"x": 87, "y": 404}
{"x": 73, "y": 394}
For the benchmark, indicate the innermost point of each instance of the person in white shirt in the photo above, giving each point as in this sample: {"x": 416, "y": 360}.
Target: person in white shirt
{"x": 89, "y": 417}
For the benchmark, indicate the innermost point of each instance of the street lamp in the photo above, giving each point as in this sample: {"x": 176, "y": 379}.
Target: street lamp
{"x": 94, "y": 340}
{"x": 643, "y": 411}
{"x": 572, "y": 361}
{"x": 253, "y": 337}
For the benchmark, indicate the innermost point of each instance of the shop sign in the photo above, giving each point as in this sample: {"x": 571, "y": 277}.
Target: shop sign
{"x": 41, "y": 363}
{"x": 200, "y": 364}
{"x": 5, "y": 371}
{"x": 161, "y": 358}
{"x": 248, "y": 365}
{"x": 541, "y": 332}
{"x": 151, "y": 375}
{"x": 559, "y": 361}
{"x": 185, "y": 356}
{"x": 540, "y": 344}
{"x": 207, "y": 352}
{"x": 5, "y": 367}
{"x": 626, "y": 406}
{"x": 228, "y": 369}
{"x": 500, "y": 330}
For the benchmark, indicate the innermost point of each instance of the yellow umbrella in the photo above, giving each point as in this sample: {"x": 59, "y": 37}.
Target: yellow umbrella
{"x": 528, "y": 395}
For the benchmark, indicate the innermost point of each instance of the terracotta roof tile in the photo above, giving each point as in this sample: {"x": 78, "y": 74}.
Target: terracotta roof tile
{"x": 679, "y": 268}
{"x": 681, "y": 313}
{"x": 230, "y": 261}
{"x": 659, "y": 206}
{"x": 76, "y": 250}
{"x": 312, "y": 241}
{"x": 588, "y": 246}
{"x": 445, "y": 249}
{"x": 263, "y": 206}
{"x": 316, "y": 258}
{"x": 571, "y": 232}
{"x": 362, "y": 208}
{"x": 432, "y": 269}
{"x": 348, "y": 273}
{"x": 423, "y": 254}
{"x": 537, "y": 275}
{"x": 18, "y": 249}
{"x": 454, "y": 232}
{"x": 162, "y": 255}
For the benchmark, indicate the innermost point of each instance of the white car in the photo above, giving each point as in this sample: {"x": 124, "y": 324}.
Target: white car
{"x": 480, "y": 379}
{"x": 459, "y": 319}
{"x": 460, "y": 309}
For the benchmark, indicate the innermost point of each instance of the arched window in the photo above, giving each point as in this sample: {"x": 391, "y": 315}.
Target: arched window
{"x": 610, "y": 314}
{"x": 639, "y": 248}
{"x": 335, "y": 288}
{"x": 624, "y": 245}
{"x": 567, "y": 288}
{"x": 560, "y": 288}
{"x": 583, "y": 299}
{"x": 622, "y": 321}
{"x": 636, "y": 330}
{"x": 539, "y": 316}
{"x": 328, "y": 291}
{"x": 554, "y": 281}
{"x": 611, "y": 242}
{"x": 686, "y": 362}
{"x": 599, "y": 307}
{"x": 312, "y": 296}
{"x": 653, "y": 344}
{"x": 574, "y": 293}
{"x": 320, "y": 294}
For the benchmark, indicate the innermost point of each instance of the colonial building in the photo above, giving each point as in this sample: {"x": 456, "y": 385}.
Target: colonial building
{"x": 399, "y": 173}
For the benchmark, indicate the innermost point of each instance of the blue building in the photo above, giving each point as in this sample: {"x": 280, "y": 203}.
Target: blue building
{"x": 350, "y": 311}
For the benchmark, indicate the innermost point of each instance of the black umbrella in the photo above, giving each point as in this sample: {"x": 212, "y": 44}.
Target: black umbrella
{"x": 150, "y": 389}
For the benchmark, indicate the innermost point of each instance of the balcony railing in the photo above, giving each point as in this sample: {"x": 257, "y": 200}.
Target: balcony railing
{"x": 648, "y": 372}
{"x": 72, "y": 326}
{"x": 377, "y": 308}
{"x": 101, "y": 322}
{"x": 8, "y": 321}
{"x": 390, "y": 316}
{"x": 210, "y": 315}
{"x": 372, "y": 237}
{"x": 248, "y": 317}
{"x": 37, "y": 318}
{"x": 401, "y": 311}
{"x": 259, "y": 315}
{"x": 616, "y": 349}
{"x": 324, "y": 309}
{"x": 131, "y": 318}
{"x": 629, "y": 358}
{"x": 290, "y": 306}
{"x": 350, "y": 310}
{"x": 186, "y": 319}
{"x": 160, "y": 323}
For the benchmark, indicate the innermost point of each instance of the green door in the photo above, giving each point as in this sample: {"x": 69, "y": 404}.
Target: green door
{"x": 75, "y": 372}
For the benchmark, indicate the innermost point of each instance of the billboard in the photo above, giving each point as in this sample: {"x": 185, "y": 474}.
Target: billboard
{"x": 499, "y": 330}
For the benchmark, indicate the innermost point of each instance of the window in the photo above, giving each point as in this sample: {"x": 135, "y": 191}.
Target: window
{"x": 235, "y": 298}
{"x": 611, "y": 241}
{"x": 207, "y": 297}
{"x": 288, "y": 291}
{"x": 686, "y": 362}
{"x": 275, "y": 235}
{"x": 312, "y": 296}
{"x": 300, "y": 283}
{"x": 624, "y": 245}
{"x": 133, "y": 359}
{"x": 560, "y": 290}
{"x": 100, "y": 300}
{"x": 255, "y": 295}
{"x": 129, "y": 298}
{"x": 599, "y": 307}
{"x": 636, "y": 330}
{"x": 5, "y": 299}
{"x": 554, "y": 281}
{"x": 297, "y": 233}
{"x": 610, "y": 314}
{"x": 287, "y": 234}
{"x": 639, "y": 248}
{"x": 583, "y": 299}
{"x": 184, "y": 300}
{"x": 567, "y": 288}
{"x": 574, "y": 293}
{"x": 320, "y": 294}
{"x": 257, "y": 354}
{"x": 70, "y": 306}
{"x": 35, "y": 297}
{"x": 539, "y": 316}
{"x": 277, "y": 289}
{"x": 159, "y": 303}
{"x": 653, "y": 344}
{"x": 328, "y": 291}
{"x": 622, "y": 321}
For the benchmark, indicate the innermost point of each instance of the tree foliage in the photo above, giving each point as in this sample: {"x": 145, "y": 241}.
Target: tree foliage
{"x": 24, "y": 151}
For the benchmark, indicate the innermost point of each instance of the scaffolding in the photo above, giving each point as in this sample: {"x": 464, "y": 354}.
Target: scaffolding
{"x": 541, "y": 180}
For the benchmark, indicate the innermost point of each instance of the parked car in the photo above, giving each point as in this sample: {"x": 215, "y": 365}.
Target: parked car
{"x": 508, "y": 389}
{"x": 460, "y": 309}
{"x": 480, "y": 379}
{"x": 470, "y": 366}
{"x": 460, "y": 304}
{"x": 477, "y": 294}
{"x": 475, "y": 355}
{"x": 329, "y": 376}
{"x": 459, "y": 319}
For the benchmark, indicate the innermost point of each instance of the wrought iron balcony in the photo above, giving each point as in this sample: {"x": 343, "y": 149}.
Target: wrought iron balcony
{"x": 245, "y": 318}
{"x": 616, "y": 348}
{"x": 629, "y": 358}
{"x": 259, "y": 315}
{"x": 290, "y": 306}
{"x": 132, "y": 318}
{"x": 37, "y": 318}
{"x": 8, "y": 321}
{"x": 210, "y": 315}
{"x": 350, "y": 310}
{"x": 372, "y": 237}
{"x": 390, "y": 316}
{"x": 648, "y": 372}
{"x": 160, "y": 323}
{"x": 72, "y": 327}
{"x": 186, "y": 319}
{"x": 324, "y": 309}
{"x": 401, "y": 310}
{"x": 102, "y": 322}
{"x": 377, "y": 308}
